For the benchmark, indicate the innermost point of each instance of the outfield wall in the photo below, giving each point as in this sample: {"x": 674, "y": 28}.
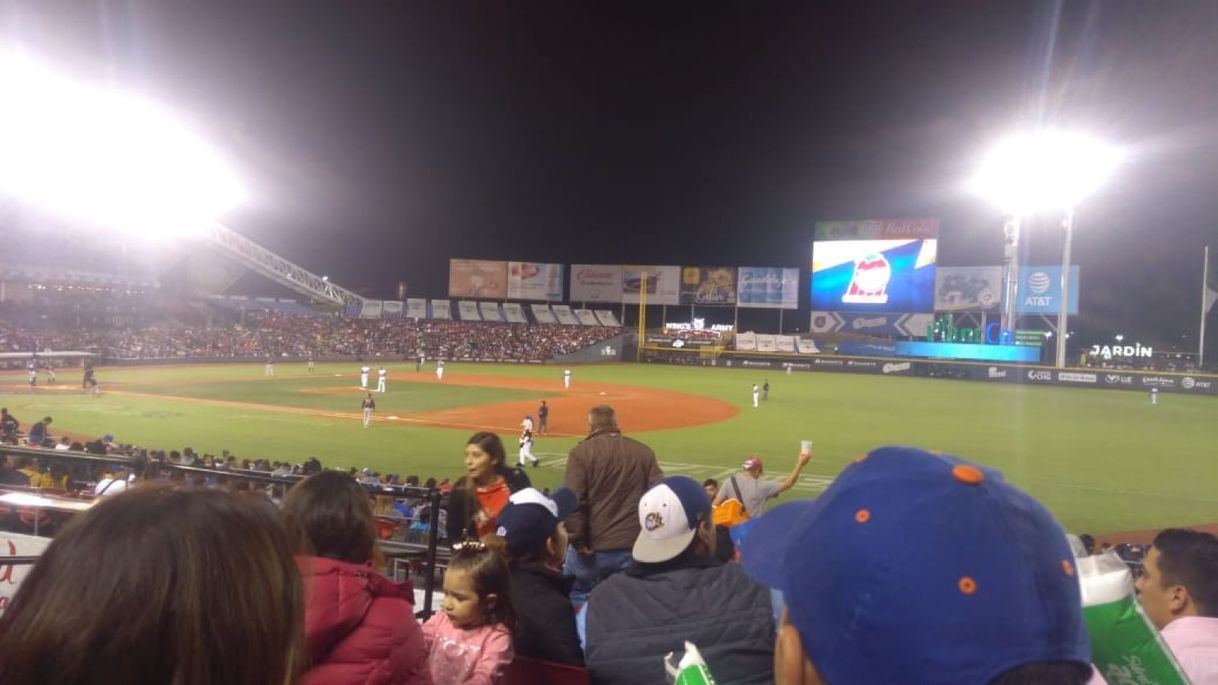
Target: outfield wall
{"x": 1112, "y": 379}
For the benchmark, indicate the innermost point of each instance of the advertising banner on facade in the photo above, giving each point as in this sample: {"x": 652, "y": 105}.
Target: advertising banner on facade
{"x": 416, "y": 308}
{"x": 477, "y": 278}
{"x": 392, "y": 309}
{"x": 892, "y": 325}
{"x": 968, "y": 288}
{"x": 371, "y": 309}
{"x": 468, "y": 310}
{"x": 708, "y": 285}
{"x": 441, "y": 309}
{"x": 1040, "y": 289}
{"x": 765, "y": 287}
{"x": 746, "y": 341}
{"x": 766, "y": 343}
{"x": 596, "y": 283}
{"x": 663, "y": 284}
{"x": 534, "y": 281}
{"x": 785, "y": 343}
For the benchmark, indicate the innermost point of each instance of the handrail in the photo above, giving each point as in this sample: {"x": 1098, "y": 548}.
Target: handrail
{"x": 433, "y": 496}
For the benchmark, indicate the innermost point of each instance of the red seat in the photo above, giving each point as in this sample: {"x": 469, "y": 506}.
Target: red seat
{"x": 526, "y": 671}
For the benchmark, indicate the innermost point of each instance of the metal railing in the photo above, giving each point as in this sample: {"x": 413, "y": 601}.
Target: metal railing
{"x": 155, "y": 469}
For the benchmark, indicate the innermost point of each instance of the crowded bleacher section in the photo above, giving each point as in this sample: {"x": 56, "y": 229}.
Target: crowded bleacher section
{"x": 261, "y": 334}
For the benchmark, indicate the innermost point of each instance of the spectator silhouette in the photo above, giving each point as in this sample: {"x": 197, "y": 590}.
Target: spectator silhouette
{"x": 359, "y": 626}
{"x": 156, "y": 586}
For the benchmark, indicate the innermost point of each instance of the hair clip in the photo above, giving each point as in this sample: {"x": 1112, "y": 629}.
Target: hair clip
{"x": 470, "y": 545}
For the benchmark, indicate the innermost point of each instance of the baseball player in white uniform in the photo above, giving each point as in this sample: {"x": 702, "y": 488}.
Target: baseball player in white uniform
{"x": 440, "y": 370}
{"x": 1154, "y": 395}
{"x": 756, "y": 396}
{"x": 380, "y": 379}
{"x": 363, "y": 376}
{"x": 566, "y": 379}
{"x": 526, "y": 447}
{"x": 269, "y": 369}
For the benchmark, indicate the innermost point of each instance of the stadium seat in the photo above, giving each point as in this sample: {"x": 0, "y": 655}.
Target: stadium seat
{"x": 526, "y": 671}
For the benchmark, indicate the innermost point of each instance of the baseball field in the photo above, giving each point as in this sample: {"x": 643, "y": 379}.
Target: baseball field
{"x": 1102, "y": 461}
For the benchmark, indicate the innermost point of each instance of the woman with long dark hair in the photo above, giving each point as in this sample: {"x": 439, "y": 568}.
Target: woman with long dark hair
{"x": 480, "y": 494}
{"x": 159, "y": 586}
{"x": 359, "y": 626}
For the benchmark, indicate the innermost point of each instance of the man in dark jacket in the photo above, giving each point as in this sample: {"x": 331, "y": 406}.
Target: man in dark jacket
{"x": 532, "y": 530}
{"x": 608, "y": 473}
{"x": 676, "y": 592}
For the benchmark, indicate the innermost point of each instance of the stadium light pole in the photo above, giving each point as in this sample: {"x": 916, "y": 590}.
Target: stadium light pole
{"x": 1046, "y": 170}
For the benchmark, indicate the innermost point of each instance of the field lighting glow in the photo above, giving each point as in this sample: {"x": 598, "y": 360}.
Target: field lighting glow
{"x": 106, "y": 158}
{"x": 1044, "y": 170}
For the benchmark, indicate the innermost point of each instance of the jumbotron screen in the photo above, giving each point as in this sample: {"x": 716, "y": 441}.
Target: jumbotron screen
{"x": 874, "y": 275}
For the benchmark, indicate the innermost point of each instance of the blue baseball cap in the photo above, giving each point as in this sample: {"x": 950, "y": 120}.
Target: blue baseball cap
{"x": 921, "y": 567}
{"x": 529, "y": 518}
{"x": 669, "y": 514}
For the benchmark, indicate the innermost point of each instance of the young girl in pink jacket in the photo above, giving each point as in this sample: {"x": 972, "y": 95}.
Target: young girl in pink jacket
{"x": 469, "y": 642}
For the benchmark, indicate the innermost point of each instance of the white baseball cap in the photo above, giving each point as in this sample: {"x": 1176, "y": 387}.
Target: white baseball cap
{"x": 669, "y": 514}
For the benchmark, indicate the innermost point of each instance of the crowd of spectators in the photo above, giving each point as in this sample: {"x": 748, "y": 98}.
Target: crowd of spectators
{"x": 274, "y": 334}
{"x": 911, "y": 567}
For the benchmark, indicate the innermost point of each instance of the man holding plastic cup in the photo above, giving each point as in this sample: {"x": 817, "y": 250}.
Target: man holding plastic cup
{"x": 753, "y": 492}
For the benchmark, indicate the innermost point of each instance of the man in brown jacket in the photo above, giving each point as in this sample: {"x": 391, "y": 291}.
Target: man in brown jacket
{"x": 608, "y": 473}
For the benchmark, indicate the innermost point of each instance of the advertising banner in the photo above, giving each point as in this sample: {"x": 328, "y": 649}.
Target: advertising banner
{"x": 477, "y": 278}
{"x": 542, "y": 313}
{"x": 764, "y": 287}
{"x": 878, "y": 229}
{"x": 586, "y": 317}
{"x": 806, "y": 346}
{"x": 765, "y": 343}
{"x": 893, "y": 325}
{"x": 514, "y": 313}
{"x": 606, "y": 317}
{"x": 968, "y": 288}
{"x": 534, "y": 281}
{"x": 663, "y": 284}
{"x": 468, "y": 310}
{"x": 489, "y": 311}
{"x": 11, "y": 576}
{"x": 708, "y": 285}
{"x": 784, "y": 343}
{"x": 392, "y": 309}
{"x": 563, "y": 313}
{"x": 371, "y": 309}
{"x": 416, "y": 308}
{"x": 1040, "y": 289}
{"x": 746, "y": 341}
{"x": 442, "y": 310}
{"x": 596, "y": 283}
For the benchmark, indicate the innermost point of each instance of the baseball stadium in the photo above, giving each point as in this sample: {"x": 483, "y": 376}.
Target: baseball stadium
{"x": 905, "y": 397}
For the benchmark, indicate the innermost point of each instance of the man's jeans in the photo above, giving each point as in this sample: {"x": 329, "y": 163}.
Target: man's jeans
{"x": 592, "y": 569}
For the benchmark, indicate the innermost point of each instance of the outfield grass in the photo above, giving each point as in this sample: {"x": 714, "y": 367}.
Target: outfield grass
{"x": 1101, "y": 460}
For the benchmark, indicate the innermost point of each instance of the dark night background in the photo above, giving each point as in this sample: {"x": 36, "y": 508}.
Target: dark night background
{"x": 379, "y": 139}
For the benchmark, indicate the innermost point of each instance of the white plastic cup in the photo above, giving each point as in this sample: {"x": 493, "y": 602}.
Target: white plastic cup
{"x": 805, "y": 447}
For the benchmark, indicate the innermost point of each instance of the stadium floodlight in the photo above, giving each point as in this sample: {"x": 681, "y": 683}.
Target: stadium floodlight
{"x": 104, "y": 157}
{"x": 1046, "y": 170}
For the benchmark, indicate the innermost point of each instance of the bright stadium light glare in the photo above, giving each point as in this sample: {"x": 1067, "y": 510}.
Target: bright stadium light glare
{"x": 1044, "y": 170}
{"x": 106, "y": 158}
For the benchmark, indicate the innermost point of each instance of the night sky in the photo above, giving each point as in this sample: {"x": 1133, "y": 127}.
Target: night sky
{"x": 379, "y": 139}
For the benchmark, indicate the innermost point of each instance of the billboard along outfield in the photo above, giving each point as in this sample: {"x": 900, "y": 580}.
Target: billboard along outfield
{"x": 1101, "y": 460}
